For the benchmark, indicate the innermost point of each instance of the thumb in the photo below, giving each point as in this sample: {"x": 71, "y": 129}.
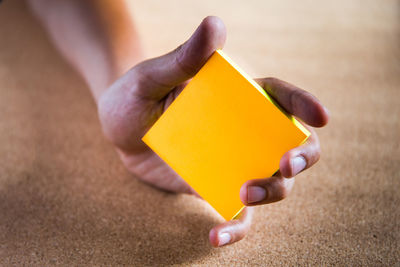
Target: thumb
{"x": 158, "y": 76}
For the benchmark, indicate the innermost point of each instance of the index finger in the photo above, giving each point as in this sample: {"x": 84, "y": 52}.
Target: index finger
{"x": 296, "y": 101}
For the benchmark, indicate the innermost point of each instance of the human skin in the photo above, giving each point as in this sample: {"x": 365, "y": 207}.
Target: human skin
{"x": 131, "y": 94}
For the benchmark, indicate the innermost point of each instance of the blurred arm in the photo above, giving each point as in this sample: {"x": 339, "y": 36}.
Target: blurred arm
{"x": 97, "y": 37}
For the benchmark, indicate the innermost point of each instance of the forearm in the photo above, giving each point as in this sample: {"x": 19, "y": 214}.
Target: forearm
{"x": 97, "y": 37}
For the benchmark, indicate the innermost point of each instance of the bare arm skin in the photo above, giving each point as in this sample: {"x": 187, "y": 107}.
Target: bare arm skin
{"x": 99, "y": 39}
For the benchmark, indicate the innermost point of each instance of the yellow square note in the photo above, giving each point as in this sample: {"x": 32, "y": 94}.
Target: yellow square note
{"x": 222, "y": 130}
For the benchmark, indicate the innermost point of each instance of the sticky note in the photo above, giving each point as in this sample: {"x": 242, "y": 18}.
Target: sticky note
{"x": 222, "y": 130}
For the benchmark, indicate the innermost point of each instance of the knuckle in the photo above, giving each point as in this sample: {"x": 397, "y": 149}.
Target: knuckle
{"x": 177, "y": 51}
{"x": 180, "y": 55}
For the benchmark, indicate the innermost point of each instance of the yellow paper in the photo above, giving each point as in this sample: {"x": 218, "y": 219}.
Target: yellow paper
{"x": 222, "y": 130}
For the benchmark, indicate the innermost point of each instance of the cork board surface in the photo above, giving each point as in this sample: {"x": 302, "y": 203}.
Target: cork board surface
{"x": 65, "y": 198}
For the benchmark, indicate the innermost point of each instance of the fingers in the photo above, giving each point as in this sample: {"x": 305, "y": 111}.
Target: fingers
{"x": 302, "y": 157}
{"x": 296, "y": 101}
{"x": 265, "y": 191}
{"x": 279, "y": 186}
{"x": 232, "y": 231}
{"x": 305, "y": 106}
{"x": 160, "y": 75}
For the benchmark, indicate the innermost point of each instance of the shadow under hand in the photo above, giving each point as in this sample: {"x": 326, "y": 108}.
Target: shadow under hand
{"x": 113, "y": 227}
{"x": 65, "y": 197}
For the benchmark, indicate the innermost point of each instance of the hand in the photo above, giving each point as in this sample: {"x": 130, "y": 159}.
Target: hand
{"x": 134, "y": 102}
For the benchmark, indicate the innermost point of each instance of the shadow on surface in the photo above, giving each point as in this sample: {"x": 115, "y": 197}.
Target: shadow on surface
{"x": 64, "y": 196}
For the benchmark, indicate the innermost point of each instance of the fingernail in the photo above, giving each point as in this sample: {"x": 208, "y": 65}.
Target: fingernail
{"x": 255, "y": 194}
{"x": 224, "y": 239}
{"x": 298, "y": 164}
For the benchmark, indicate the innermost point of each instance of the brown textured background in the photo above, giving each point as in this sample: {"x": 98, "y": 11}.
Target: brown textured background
{"x": 66, "y": 199}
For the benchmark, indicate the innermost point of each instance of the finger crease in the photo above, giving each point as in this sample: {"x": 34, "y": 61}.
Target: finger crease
{"x": 185, "y": 69}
